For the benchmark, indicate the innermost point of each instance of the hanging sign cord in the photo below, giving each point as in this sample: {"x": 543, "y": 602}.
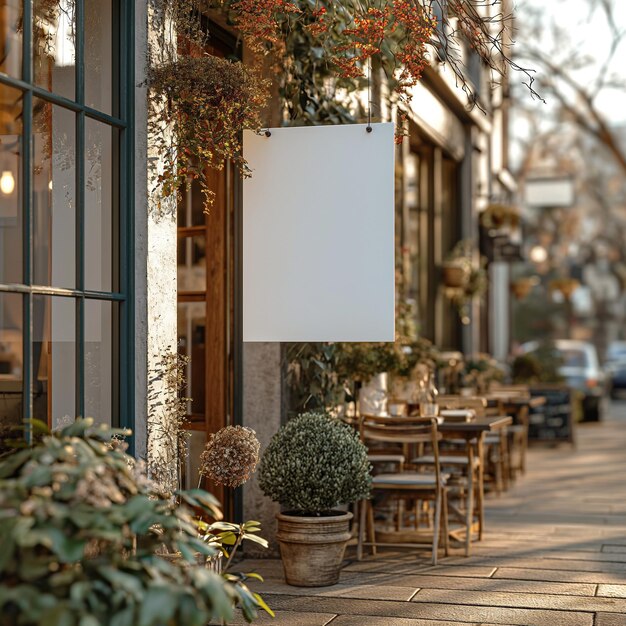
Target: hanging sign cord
{"x": 369, "y": 95}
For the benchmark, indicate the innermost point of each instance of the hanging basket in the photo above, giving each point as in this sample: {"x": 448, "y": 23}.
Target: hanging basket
{"x": 454, "y": 275}
{"x": 521, "y": 287}
{"x": 500, "y": 216}
{"x": 566, "y": 286}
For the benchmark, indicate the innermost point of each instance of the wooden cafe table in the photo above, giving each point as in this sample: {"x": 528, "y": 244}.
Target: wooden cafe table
{"x": 473, "y": 433}
{"x": 518, "y": 405}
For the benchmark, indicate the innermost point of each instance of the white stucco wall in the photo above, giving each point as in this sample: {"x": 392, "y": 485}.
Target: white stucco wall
{"x": 155, "y": 279}
{"x": 261, "y": 411}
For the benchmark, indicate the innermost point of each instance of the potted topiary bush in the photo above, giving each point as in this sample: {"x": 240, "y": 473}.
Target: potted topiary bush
{"x": 313, "y": 464}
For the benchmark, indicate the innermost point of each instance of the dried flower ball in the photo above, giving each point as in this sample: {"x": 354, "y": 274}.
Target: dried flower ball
{"x": 230, "y": 456}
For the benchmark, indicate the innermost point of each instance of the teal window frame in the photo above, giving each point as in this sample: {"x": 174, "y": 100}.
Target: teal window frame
{"x": 122, "y": 118}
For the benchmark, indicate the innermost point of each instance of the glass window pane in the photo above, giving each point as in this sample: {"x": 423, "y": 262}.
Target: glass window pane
{"x": 54, "y": 205}
{"x": 11, "y": 38}
{"x": 10, "y": 185}
{"x": 54, "y": 360}
{"x": 54, "y": 45}
{"x": 99, "y": 67}
{"x": 191, "y": 342}
{"x": 191, "y": 209}
{"x": 11, "y": 361}
{"x": 192, "y": 263}
{"x": 99, "y": 360}
{"x": 191, "y": 473}
{"x": 99, "y": 202}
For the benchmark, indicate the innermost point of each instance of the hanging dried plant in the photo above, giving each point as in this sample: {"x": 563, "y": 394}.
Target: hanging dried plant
{"x": 230, "y": 456}
{"x": 205, "y": 101}
{"x": 167, "y": 419}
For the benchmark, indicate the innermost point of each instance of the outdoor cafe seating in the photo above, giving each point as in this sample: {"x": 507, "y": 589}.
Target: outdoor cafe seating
{"x": 412, "y": 485}
{"x": 430, "y": 472}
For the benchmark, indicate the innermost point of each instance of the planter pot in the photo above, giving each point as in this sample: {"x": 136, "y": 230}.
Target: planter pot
{"x": 373, "y": 396}
{"x": 522, "y": 287}
{"x": 312, "y": 548}
{"x": 567, "y": 286}
{"x": 454, "y": 276}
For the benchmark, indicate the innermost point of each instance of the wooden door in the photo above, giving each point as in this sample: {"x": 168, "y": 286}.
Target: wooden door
{"x": 208, "y": 313}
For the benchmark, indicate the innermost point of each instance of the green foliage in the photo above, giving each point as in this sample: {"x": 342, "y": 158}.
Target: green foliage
{"x": 228, "y": 537}
{"x": 310, "y": 90}
{"x": 465, "y": 256}
{"x": 311, "y": 377}
{"x": 526, "y": 368}
{"x": 318, "y": 375}
{"x": 481, "y": 370}
{"x": 359, "y": 362}
{"x": 83, "y": 534}
{"x": 313, "y": 464}
{"x": 540, "y": 366}
{"x": 417, "y": 352}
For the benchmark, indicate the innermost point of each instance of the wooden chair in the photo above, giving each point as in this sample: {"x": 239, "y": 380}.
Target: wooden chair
{"x": 411, "y": 485}
{"x": 465, "y": 466}
{"x": 477, "y": 404}
{"x": 518, "y": 432}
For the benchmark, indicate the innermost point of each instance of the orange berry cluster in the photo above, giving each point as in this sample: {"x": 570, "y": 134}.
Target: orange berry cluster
{"x": 259, "y": 21}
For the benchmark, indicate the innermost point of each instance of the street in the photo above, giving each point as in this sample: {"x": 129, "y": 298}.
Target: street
{"x": 554, "y": 555}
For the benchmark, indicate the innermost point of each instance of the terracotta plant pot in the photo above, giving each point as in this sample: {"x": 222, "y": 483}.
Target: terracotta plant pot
{"x": 567, "y": 286}
{"x": 454, "y": 276}
{"x": 312, "y": 548}
{"x": 522, "y": 287}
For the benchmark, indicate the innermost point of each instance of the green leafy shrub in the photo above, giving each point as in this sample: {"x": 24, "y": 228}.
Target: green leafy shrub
{"x": 314, "y": 463}
{"x": 362, "y": 361}
{"x": 481, "y": 370}
{"x": 539, "y": 366}
{"x": 310, "y": 371}
{"x": 88, "y": 540}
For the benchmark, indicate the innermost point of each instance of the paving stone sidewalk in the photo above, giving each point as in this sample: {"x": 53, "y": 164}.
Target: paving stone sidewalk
{"x": 554, "y": 554}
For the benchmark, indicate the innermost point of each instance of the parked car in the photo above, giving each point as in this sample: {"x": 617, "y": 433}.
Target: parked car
{"x": 581, "y": 371}
{"x": 616, "y": 374}
{"x": 615, "y": 367}
{"x": 616, "y": 352}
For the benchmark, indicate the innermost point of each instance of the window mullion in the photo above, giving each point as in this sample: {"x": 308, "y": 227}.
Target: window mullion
{"x": 80, "y": 52}
{"x": 80, "y": 357}
{"x": 27, "y": 117}
{"x": 80, "y": 208}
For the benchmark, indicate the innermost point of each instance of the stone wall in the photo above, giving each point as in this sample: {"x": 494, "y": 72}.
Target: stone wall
{"x": 262, "y": 407}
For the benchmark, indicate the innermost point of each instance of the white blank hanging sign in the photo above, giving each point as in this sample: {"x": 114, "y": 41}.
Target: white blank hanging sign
{"x": 318, "y": 234}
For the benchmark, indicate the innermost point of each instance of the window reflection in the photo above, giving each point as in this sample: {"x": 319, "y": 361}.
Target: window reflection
{"x": 191, "y": 342}
{"x": 192, "y": 263}
{"x": 54, "y": 360}
{"x": 191, "y": 470}
{"x": 11, "y": 38}
{"x": 10, "y": 185}
{"x": 98, "y": 205}
{"x": 54, "y": 180}
{"x": 191, "y": 209}
{"x": 11, "y": 362}
{"x": 99, "y": 55}
{"x": 54, "y": 45}
{"x": 99, "y": 360}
